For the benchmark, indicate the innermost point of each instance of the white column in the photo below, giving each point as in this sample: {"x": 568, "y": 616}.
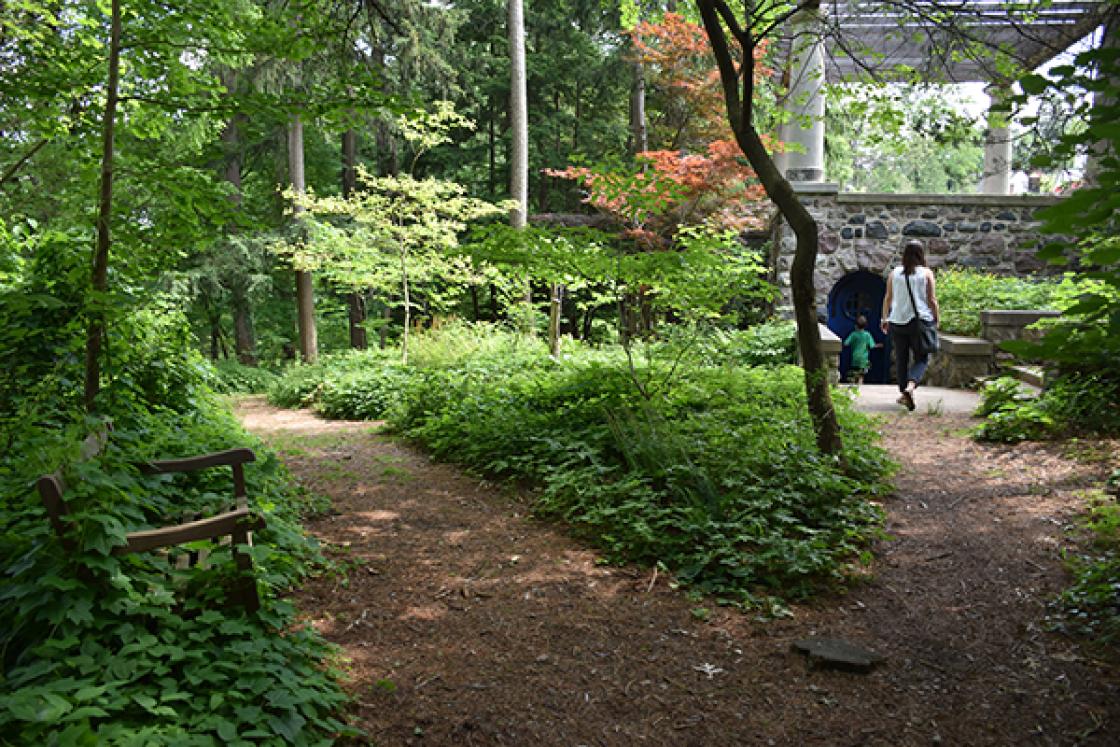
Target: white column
{"x": 804, "y": 161}
{"x": 997, "y": 143}
{"x": 1110, "y": 40}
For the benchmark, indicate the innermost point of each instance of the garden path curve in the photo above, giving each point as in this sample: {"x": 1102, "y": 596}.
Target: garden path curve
{"x": 465, "y": 622}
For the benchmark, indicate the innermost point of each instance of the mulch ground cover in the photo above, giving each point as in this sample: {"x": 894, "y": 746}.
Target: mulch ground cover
{"x": 465, "y": 621}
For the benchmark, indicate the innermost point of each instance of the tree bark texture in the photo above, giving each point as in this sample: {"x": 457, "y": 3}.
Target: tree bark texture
{"x": 519, "y": 124}
{"x": 518, "y": 107}
{"x": 244, "y": 339}
{"x": 740, "y": 111}
{"x": 100, "y": 275}
{"x": 356, "y": 301}
{"x": 305, "y": 294}
{"x": 555, "y": 304}
{"x": 639, "y": 131}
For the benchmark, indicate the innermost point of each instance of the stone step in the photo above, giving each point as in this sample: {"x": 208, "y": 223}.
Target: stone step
{"x": 1032, "y": 375}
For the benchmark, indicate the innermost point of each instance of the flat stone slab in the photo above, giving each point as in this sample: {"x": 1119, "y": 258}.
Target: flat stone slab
{"x": 929, "y": 399}
{"x": 834, "y": 653}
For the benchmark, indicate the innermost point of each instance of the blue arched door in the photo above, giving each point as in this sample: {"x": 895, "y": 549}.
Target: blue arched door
{"x": 857, "y": 293}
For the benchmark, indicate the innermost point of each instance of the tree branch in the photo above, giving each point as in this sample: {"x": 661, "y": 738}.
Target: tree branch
{"x": 11, "y": 170}
{"x": 722, "y": 51}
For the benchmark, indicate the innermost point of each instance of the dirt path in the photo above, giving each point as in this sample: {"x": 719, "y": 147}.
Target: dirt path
{"x": 466, "y": 623}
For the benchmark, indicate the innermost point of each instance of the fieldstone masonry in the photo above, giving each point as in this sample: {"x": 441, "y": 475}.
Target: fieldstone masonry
{"x": 995, "y": 233}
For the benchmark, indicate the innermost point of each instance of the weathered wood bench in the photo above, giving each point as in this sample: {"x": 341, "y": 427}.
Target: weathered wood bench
{"x": 233, "y": 526}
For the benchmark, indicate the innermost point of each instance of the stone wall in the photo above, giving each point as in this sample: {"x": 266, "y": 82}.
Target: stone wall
{"x": 960, "y": 362}
{"x": 995, "y": 233}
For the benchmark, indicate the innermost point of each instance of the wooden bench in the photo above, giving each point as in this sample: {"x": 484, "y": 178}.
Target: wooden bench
{"x": 233, "y": 526}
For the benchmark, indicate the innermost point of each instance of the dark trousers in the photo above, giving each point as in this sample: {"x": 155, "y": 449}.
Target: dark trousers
{"x": 905, "y": 339}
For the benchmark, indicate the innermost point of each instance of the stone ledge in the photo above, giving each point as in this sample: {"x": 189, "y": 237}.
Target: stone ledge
{"x": 830, "y": 343}
{"x": 1033, "y": 375}
{"x": 877, "y": 198}
{"x": 1015, "y": 317}
{"x": 966, "y": 347}
{"x": 815, "y": 188}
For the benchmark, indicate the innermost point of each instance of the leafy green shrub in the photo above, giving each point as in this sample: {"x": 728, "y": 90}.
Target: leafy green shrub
{"x": 361, "y": 395}
{"x": 963, "y": 293}
{"x": 767, "y": 344}
{"x": 771, "y": 343}
{"x": 718, "y": 480}
{"x": 231, "y": 377}
{"x": 712, "y": 472}
{"x": 1072, "y": 404}
{"x": 455, "y": 342}
{"x": 1091, "y": 606}
{"x": 299, "y": 384}
{"x": 104, "y": 649}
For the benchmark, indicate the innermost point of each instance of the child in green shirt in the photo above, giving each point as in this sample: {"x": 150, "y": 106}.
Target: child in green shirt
{"x": 861, "y": 342}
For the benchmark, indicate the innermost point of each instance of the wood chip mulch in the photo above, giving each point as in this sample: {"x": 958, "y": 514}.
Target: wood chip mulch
{"x": 464, "y": 621}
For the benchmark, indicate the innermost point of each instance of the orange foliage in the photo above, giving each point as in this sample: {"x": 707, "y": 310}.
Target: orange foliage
{"x": 673, "y": 188}
{"x": 714, "y": 185}
{"x": 682, "y": 73}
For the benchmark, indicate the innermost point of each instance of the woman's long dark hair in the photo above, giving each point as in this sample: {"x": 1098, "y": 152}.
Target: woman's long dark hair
{"x": 912, "y": 255}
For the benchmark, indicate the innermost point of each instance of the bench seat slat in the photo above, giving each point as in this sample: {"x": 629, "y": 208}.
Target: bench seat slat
{"x": 210, "y": 528}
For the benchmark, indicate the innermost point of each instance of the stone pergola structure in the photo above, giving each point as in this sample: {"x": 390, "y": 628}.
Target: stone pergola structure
{"x": 955, "y": 41}
{"x": 861, "y": 235}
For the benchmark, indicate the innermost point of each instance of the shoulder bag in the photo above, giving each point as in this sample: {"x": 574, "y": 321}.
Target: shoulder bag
{"x": 927, "y": 342}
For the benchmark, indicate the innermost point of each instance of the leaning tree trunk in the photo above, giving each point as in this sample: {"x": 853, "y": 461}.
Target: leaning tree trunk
{"x": 305, "y": 294}
{"x": 740, "y": 110}
{"x": 100, "y": 275}
{"x": 356, "y": 301}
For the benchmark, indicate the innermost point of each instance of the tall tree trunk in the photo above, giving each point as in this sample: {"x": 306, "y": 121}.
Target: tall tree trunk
{"x": 215, "y": 321}
{"x": 244, "y": 341}
{"x": 492, "y": 161}
{"x": 244, "y": 338}
{"x": 383, "y": 333}
{"x": 519, "y": 121}
{"x": 554, "y": 306}
{"x": 305, "y": 294}
{"x": 356, "y": 301}
{"x": 407, "y": 306}
{"x": 639, "y": 132}
{"x": 740, "y": 110}
{"x": 578, "y": 118}
{"x": 100, "y": 274}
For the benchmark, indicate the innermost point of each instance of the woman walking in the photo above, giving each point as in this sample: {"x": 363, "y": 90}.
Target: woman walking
{"x": 911, "y": 297}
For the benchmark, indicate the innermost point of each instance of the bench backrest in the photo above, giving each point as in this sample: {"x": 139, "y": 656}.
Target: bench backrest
{"x": 52, "y": 487}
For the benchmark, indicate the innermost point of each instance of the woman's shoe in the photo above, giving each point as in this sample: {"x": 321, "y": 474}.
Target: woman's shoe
{"x": 907, "y": 399}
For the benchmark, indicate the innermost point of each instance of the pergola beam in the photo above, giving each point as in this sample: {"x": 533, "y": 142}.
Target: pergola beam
{"x": 932, "y": 38}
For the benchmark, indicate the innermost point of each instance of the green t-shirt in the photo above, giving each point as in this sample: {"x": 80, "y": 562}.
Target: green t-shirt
{"x": 861, "y": 342}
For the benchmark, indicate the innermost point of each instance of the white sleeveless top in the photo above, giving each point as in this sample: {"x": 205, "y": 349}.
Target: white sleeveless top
{"x": 902, "y": 311}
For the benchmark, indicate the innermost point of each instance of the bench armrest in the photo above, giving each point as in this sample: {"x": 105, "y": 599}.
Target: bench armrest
{"x": 218, "y": 458}
{"x": 215, "y": 526}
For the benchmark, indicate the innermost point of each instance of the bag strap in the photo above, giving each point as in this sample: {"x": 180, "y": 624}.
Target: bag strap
{"x": 910, "y": 290}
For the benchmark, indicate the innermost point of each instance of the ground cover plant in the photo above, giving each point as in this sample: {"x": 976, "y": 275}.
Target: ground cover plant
{"x": 963, "y": 293}
{"x": 101, "y": 649}
{"x": 707, "y": 470}
{"x": 231, "y": 377}
{"x": 1090, "y": 607}
{"x": 1082, "y": 350}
